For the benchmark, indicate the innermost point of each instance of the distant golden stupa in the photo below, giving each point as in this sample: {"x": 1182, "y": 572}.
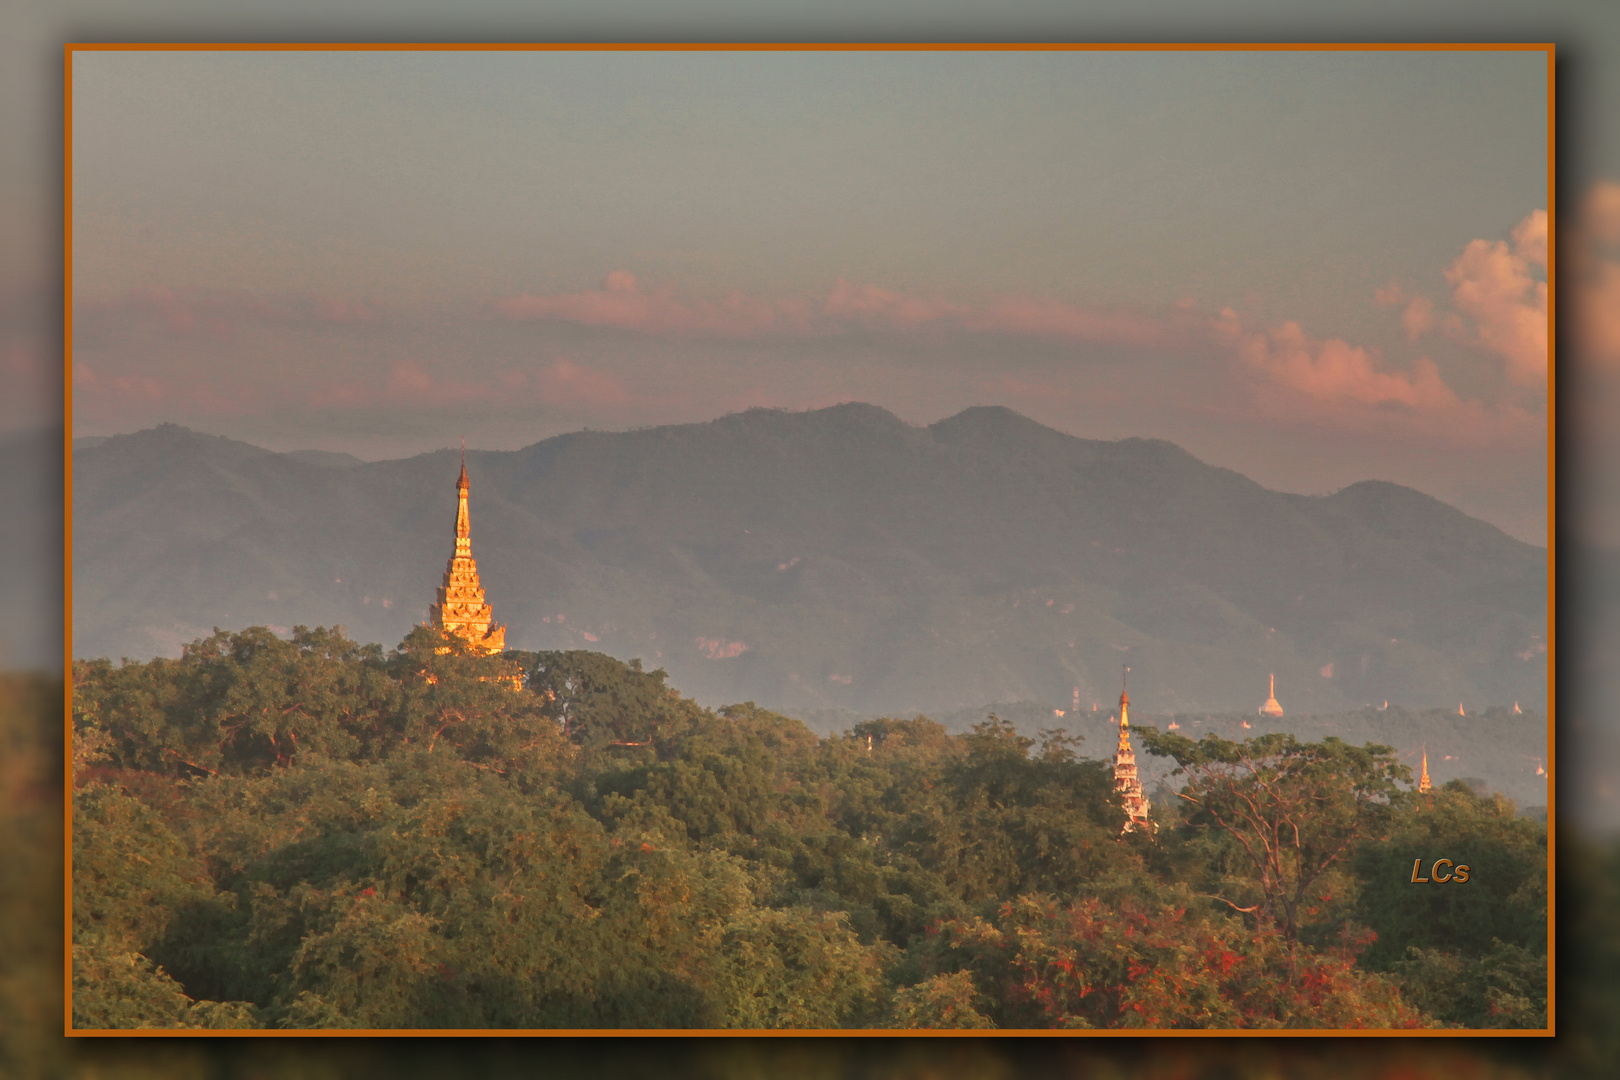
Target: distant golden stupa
{"x": 1271, "y": 708}
{"x": 1126, "y": 783}
{"x": 461, "y": 609}
{"x": 1424, "y": 786}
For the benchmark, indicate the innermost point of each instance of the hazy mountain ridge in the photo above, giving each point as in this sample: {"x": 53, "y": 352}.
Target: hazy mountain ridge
{"x": 836, "y": 559}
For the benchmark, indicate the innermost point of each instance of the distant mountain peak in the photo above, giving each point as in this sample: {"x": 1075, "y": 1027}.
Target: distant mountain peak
{"x": 997, "y": 424}
{"x": 846, "y": 418}
{"x": 169, "y": 434}
{"x": 326, "y": 459}
{"x": 989, "y": 414}
{"x": 988, "y": 418}
{"x": 855, "y": 413}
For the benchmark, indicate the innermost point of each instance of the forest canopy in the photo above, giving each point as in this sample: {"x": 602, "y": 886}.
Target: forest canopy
{"x": 306, "y": 832}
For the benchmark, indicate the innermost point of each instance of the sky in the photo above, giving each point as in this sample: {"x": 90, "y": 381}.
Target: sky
{"x": 1311, "y": 267}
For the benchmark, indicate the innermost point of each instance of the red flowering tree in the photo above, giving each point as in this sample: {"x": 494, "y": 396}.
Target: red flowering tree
{"x": 1088, "y": 965}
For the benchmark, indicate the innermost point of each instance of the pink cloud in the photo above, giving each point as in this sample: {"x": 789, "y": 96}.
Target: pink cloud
{"x": 87, "y": 384}
{"x": 1598, "y": 314}
{"x": 1492, "y": 283}
{"x": 1530, "y": 238}
{"x": 409, "y": 384}
{"x": 1418, "y": 317}
{"x": 218, "y": 313}
{"x": 1335, "y": 383}
{"x": 1054, "y": 319}
{"x": 100, "y": 396}
{"x": 30, "y": 382}
{"x": 1334, "y": 370}
{"x": 179, "y": 316}
{"x": 884, "y": 308}
{"x": 568, "y": 383}
{"x": 1596, "y": 279}
{"x": 1600, "y": 216}
{"x": 21, "y": 362}
{"x": 622, "y": 303}
{"x": 718, "y": 649}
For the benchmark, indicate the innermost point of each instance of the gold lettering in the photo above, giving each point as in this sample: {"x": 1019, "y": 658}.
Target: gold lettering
{"x": 1416, "y": 863}
{"x": 1462, "y": 873}
{"x": 1435, "y": 870}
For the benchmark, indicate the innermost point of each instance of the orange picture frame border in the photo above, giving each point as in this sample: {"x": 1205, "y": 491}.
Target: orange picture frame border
{"x": 1549, "y": 48}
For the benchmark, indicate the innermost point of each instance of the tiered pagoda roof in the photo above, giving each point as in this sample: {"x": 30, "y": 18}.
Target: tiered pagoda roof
{"x": 1127, "y": 785}
{"x": 461, "y": 609}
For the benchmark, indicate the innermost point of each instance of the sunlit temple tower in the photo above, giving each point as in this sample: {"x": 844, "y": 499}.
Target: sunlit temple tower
{"x": 1271, "y": 707}
{"x": 1126, "y": 783}
{"x": 1424, "y": 785}
{"x": 461, "y": 609}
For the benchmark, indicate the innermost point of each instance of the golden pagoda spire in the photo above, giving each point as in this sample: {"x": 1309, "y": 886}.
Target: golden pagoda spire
{"x": 1424, "y": 785}
{"x": 461, "y": 609}
{"x": 1127, "y": 785}
{"x": 1271, "y": 707}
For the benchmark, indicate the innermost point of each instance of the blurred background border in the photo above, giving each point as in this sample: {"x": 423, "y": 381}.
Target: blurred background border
{"x": 31, "y": 583}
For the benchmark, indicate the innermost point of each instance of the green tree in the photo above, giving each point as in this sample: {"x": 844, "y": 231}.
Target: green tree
{"x": 119, "y": 988}
{"x": 457, "y": 700}
{"x": 797, "y": 968}
{"x": 1504, "y": 899}
{"x": 1504, "y": 987}
{"x": 239, "y": 701}
{"x": 303, "y": 831}
{"x": 1472, "y": 954}
{"x": 600, "y": 701}
{"x": 999, "y": 822}
{"x": 939, "y": 1002}
{"x": 1293, "y": 811}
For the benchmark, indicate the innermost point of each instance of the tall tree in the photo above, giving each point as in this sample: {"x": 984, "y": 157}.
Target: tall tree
{"x": 1293, "y": 811}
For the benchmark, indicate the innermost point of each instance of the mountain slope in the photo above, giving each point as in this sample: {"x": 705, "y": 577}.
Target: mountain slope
{"x": 835, "y": 559}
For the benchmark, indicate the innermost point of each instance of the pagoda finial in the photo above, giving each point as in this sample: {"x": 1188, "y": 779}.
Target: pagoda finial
{"x": 1424, "y": 785}
{"x": 1124, "y": 699}
{"x": 461, "y": 481}
{"x": 1271, "y": 706}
